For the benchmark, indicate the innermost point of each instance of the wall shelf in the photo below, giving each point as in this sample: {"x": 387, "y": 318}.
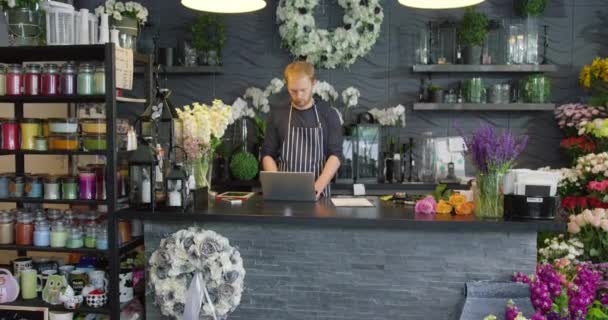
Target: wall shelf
{"x": 483, "y": 68}
{"x": 40, "y": 303}
{"x": 53, "y": 53}
{"x": 59, "y": 201}
{"x": 484, "y": 107}
{"x": 193, "y": 70}
{"x": 52, "y": 99}
{"x": 124, "y": 248}
{"x": 52, "y": 153}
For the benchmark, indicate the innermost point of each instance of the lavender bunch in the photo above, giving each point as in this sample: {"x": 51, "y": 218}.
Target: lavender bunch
{"x": 493, "y": 152}
{"x": 582, "y": 294}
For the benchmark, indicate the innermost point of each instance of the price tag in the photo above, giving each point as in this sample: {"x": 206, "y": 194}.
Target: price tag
{"x": 124, "y": 68}
{"x": 534, "y": 200}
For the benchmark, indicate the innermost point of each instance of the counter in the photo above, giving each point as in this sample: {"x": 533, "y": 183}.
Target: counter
{"x": 315, "y": 261}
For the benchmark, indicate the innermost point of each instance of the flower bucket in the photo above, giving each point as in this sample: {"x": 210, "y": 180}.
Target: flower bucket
{"x": 129, "y": 31}
{"x": 488, "y": 196}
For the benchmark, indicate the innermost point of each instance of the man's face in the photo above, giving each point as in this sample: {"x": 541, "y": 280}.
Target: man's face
{"x": 300, "y": 90}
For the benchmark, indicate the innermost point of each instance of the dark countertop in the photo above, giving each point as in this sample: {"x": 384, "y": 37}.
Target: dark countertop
{"x": 385, "y": 215}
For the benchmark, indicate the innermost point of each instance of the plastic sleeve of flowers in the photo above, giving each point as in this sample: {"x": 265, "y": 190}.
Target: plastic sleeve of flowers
{"x": 194, "y": 299}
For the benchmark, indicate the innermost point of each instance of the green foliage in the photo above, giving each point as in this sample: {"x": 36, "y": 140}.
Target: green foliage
{"x": 442, "y": 193}
{"x": 244, "y": 166}
{"x": 261, "y": 126}
{"x": 597, "y": 312}
{"x": 28, "y": 4}
{"x": 530, "y": 7}
{"x": 208, "y": 33}
{"x": 473, "y": 28}
{"x": 436, "y": 88}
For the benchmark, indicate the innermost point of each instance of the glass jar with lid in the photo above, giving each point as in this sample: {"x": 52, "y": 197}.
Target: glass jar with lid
{"x": 68, "y": 79}
{"x": 87, "y": 184}
{"x": 63, "y": 125}
{"x": 59, "y": 234}
{"x": 16, "y": 186}
{"x": 7, "y": 228}
{"x": 75, "y": 239}
{"x": 24, "y": 229}
{"x": 32, "y": 80}
{"x": 53, "y": 214}
{"x": 41, "y": 143}
{"x": 100, "y": 80}
{"x": 4, "y": 183}
{"x": 94, "y": 142}
{"x": 69, "y": 187}
{"x": 50, "y": 80}
{"x": 90, "y": 236}
{"x": 33, "y": 186}
{"x": 64, "y": 142}
{"x": 14, "y": 80}
{"x": 42, "y": 234}
{"x": 30, "y": 129}
{"x": 51, "y": 188}
{"x": 86, "y": 79}
{"x": 101, "y": 240}
{"x": 10, "y": 134}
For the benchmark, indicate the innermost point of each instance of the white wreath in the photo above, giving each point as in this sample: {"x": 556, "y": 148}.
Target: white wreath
{"x": 195, "y": 273}
{"x": 329, "y": 49}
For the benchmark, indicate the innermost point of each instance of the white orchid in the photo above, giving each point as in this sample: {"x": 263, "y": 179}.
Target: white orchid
{"x": 389, "y": 116}
{"x": 325, "y": 90}
{"x": 116, "y": 10}
{"x": 350, "y": 97}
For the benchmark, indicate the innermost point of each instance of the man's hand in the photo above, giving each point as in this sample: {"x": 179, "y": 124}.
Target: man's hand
{"x": 319, "y": 188}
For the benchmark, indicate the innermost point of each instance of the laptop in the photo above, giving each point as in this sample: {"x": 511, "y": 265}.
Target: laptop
{"x": 289, "y": 186}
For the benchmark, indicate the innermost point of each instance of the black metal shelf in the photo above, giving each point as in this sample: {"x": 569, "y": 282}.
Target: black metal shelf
{"x": 59, "y": 201}
{"x": 51, "y": 249}
{"x": 52, "y": 152}
{"x": 94, "y": 52}
{"x": 32, "y": 303}
{"x": 130, "y": 245}
{"x": 483, "y": 68}
{"x": 52, "y": 99}
{"x": 484, "y": 106}
{"x": 185, "y": 70}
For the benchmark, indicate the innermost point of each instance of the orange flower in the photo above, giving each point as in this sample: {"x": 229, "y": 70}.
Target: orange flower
{"x": 457, "y": 199}
{"x": 443, "y": 207}
{"x": 465, "y": 208}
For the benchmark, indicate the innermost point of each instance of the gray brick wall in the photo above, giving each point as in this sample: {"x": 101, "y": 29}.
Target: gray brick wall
{"x": 302, "y": 272}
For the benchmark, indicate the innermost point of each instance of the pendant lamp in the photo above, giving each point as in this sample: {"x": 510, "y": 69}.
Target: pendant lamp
{"x": 439, "y": 4}
{"x": 225, "y": 6}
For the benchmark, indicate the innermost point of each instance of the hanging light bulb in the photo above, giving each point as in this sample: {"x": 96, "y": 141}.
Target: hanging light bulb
{"x": 439, "y": 4}
{"x": 225, "y": 6}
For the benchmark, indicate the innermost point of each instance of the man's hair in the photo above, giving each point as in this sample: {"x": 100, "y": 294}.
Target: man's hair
{"x": 299, "y": 68}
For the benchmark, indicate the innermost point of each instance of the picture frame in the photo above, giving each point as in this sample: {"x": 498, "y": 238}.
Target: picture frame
{"x": 29, "y": 313}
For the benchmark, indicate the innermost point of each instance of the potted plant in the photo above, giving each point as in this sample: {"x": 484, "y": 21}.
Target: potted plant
{"x": 208, "y": 38}
{"x": 127, "y": 17}
{"x": 24, "y": 19}
{"x": 472, "y": 33}
{"x": 526, "y": 8}
{"x": 437, "y": 93}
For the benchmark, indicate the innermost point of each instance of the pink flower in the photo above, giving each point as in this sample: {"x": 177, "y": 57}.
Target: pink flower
{"x": 573, "y": 228}
{"x": 427, "y": 205}
{"x": 604, "y": 185}
{"x": 604, "y": 225}
{"x": 587, "y": 217}
{"x": 594, "y": 185}
{"x": 579, "y": 220}
{"x": 596, "y": 221}
{"x": 561, "y": 263}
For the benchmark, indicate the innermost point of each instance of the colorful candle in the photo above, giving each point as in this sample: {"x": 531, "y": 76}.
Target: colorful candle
{"x": 87, "y": 185}
{"x": 32, "y": 80}
{"x": 14, "y": 80}
{"x": 68, "y": 79}
{"x": 10, "y": 134}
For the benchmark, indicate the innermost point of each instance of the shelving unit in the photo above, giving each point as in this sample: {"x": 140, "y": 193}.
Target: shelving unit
{"x": 485, "y": 106}
{"x": 106, "y": 54}
{"x": 483, "y": 68}
{"x": 193, "y": 70}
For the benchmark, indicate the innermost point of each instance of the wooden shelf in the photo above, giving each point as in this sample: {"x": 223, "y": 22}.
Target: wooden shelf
{"x": 485, "y": 107}
{"x": 52, "y": 99}
{"x": 193, "y": 70}
{"x": 130, "y": 100}
{"x": 51, "y": 249}
{"x": 487, "y": 68}
{"x": 41, "y": 304}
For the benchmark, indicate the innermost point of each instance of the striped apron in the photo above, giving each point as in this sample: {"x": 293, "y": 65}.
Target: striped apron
{"x": 303, "y": 150}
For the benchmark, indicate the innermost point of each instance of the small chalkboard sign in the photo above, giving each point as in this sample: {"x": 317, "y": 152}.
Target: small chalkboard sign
{"x": 23, "y": 313}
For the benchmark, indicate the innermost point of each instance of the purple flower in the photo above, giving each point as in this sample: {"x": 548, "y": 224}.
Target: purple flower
{"x": 427, "y": 205}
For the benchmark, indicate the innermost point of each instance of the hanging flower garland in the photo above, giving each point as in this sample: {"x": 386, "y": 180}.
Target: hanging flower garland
{"x": 329, "y": 49}
{"x": 196, "y": 272}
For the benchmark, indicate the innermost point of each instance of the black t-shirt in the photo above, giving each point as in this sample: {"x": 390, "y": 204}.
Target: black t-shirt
{"x": 277, "y": 124}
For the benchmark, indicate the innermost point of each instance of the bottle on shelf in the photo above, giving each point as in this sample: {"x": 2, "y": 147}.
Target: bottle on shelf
{"x": 459, "y": 97}
{"x": 396, "y": 164}
{"x": 404, "y": 163}
{"x": 388, "y": 164}
{"x": 459, "y": 54}
{"x": 412, "y": 170}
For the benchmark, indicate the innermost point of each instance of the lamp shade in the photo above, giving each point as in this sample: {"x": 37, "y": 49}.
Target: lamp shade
{"x": 225, "y": 6}
{"x": 439, "y": 4}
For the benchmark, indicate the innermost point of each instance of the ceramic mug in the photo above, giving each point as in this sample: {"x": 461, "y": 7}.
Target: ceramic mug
{"x": 97, "y": 279}
{"x": 43, "y": 276}
{"x": 66, "y": 270}
{"x": 126, "y": 285}
{"x": 21, "y": 264}
{"x": 44, "y": 264}
{"x": 78, "y": 280}
{"x": 57, "y": 315}
{"x": 30, "y": 284}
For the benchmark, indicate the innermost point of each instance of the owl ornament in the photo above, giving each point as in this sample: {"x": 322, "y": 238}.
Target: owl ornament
{"x": 51, "y": 293}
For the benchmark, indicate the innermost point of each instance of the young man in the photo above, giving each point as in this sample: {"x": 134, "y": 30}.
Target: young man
{"x": 305, "y": 136}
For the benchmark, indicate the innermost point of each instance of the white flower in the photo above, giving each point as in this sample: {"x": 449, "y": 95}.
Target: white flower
{"x": 117, "y": 16}
{"x": 119, "y": 6}
{"x": 350, "y": 97}
{"x": 325, "y": 90}
{"x": 99, "y": 11}
{"x": 11, "y": 3}
{"x": 390, "y": 116}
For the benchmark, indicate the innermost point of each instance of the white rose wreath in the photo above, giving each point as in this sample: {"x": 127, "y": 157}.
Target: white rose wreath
{"x": 329, "y": 49}
{"x": 196, "y": 274}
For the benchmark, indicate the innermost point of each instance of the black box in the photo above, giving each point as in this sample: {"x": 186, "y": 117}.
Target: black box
{"x": 533, "y": 208}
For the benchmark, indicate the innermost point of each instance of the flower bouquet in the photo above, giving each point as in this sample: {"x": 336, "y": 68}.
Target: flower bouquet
{"x": 493, "y": 154}
{"x": 127, "y": 17}
{"x": 591, "y": 228}
{"x": 576, "y": 147}
{"x": 598, "y": 130}
{"x": 595, "y": 78}
{"x": 570, "y": 116}
{"x": 444, "y": 201}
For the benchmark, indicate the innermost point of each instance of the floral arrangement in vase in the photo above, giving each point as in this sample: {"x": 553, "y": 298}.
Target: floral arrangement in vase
{"x": 594, "y": 77}
{"x": 203, "y": 128}
{"x": 15, "y": 4}
{"x": 493, "y": 154}
{"x": 394, "y": 116}
{"x": 591, "y": 228}
{"x": 127, "y": 17}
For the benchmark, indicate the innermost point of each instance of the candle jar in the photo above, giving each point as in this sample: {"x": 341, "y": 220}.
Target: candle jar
{"x": 63, "y": 125}
{"x": 100, "y": 179}
{"x": 30, "y": 128}
{"x": 53, "y": 214}
{"x": 100, "y": 80}
{"x": 16, "y": 186}
{"x": 7, "y": 228}
{"x": 59, "y": 235}
{"x": 50, "y": 80}
{"x": 14, "y": 80}
{"x": 33, "y": 187}
{"x": 90, "y": 237}
{"x": 93, "y": 126}
{"x": 85, "y": 79}
{"x": 86, "y": 179}
{"x": 45, "y": 127}
{"x": 32, "y": 80}
{"x": 40, "y": 143}
{"x": 42, "y": 234}
{"x": 51, "y": 188}
{"x": 10, "y": 134}
{"x": 94, "y": 142}
{"x": 2, "y": 80}
{"x": 101, "y": 240}
{"x": 75, "y": 239}
{"x": 24, "y": 229}
{"x": 69, "y": 188}
{"x": 4, "y": 182}
{"x": 68, "y": 79}
{"x": 63, "y": 142}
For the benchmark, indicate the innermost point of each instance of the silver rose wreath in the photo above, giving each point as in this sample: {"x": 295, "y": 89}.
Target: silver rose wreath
{"x": 329, "y": 49}
{"x": 195, "y": 273}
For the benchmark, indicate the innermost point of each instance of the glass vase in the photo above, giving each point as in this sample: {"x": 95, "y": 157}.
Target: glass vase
{"x": 25, "y": 26}
{"x": 532, "y": 40}
{"x": 201, "y": 169}
{"x": 427, "y": 159}
{"x": 129, "y": 31}
{"x": 488, "y": 196}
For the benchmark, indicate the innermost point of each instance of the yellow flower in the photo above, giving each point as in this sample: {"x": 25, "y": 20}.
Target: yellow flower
{"x": 596, "y": 67}
{"x": 585, "y": 77}
{"x": 443, "y": 207}
{"x": 457, "y": 199}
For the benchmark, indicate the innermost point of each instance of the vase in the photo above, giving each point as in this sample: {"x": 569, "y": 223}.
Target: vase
{"x": 129, "y": 31}
{"x": 24, "y": 26}
{"x": 532, "y": 40}
{"x": 488, "y": 196}
{"x": 202, "y": 170}
{"x": 472, "y": 54}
